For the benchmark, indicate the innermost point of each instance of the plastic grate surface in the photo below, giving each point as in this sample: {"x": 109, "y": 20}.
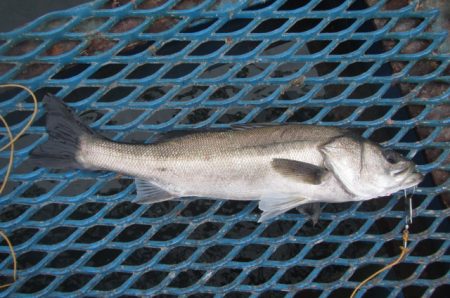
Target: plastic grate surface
{"x": 134, "y": 68}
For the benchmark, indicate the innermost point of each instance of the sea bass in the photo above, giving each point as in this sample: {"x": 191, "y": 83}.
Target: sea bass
{"x": 282, "y": 166}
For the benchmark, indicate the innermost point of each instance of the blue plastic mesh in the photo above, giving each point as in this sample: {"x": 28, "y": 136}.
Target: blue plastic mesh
{"x": 133, "y": 68}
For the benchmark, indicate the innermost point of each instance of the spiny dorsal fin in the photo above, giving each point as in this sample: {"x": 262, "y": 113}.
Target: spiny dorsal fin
{"x": 305, "y": 172}
{"x": 248, "y": 126}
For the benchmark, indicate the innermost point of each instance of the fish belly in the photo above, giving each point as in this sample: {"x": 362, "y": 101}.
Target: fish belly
{"x": 240, "y": 179}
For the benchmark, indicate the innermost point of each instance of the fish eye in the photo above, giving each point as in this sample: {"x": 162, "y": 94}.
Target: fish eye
{"x": 391, "y": 156}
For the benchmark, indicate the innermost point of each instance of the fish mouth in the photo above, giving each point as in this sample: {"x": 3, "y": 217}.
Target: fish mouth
{"x": 413, "y": 179}
{"x": 405, "y": 170}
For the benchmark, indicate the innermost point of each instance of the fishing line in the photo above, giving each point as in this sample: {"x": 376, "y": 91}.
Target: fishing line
{"x": 403, "y": 249}
{"x": 10, "y": 144}
{"x": 13, "y": 254}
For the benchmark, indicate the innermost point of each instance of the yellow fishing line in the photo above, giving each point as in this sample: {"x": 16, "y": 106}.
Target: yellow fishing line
{"x": 400, "y": 258}
{"x": 13, "y": 254}
{"x": 11, "y": 154}
{"x": 33, "y": 115}
{"x": 10, "y": 144}
{"x": 12, "y": 139}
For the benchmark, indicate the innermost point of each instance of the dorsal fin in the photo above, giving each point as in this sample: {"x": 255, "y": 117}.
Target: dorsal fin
{"x": 175, "y": 134}
{"x": 254, "y": 125}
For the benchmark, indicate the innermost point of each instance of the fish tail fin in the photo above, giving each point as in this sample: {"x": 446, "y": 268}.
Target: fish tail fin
{"x": 65, "y": 132}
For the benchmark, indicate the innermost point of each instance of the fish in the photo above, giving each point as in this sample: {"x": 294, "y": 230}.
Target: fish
{"x": 282, "y": 166}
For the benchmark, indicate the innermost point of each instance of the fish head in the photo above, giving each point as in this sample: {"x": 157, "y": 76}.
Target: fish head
{"x": 366, "y": 169}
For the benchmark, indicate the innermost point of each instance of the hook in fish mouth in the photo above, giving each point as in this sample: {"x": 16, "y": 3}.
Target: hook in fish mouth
{"x": 414, "y": 179}
{"x": 411, "y": 176}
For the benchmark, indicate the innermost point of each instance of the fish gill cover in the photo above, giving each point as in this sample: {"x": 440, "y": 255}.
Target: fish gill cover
{"x": 135, "y": 68}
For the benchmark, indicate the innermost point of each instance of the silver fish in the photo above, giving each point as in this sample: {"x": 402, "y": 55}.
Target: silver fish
{"x": 282, "y": 166}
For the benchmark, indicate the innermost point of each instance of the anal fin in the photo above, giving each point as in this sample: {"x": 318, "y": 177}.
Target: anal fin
{"x": 147, "y": 192}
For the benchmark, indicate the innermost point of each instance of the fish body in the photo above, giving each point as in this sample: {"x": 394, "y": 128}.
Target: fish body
{"x": 282, "y": 166}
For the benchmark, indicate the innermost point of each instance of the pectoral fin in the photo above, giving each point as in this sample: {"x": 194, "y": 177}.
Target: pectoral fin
{"x": 305, "y": 172}
{"x": 147, "y": 192}
{"x": 272, "y": 207}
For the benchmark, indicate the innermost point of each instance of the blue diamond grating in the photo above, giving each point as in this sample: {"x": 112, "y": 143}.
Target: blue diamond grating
{"x": 132, "y": 69}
